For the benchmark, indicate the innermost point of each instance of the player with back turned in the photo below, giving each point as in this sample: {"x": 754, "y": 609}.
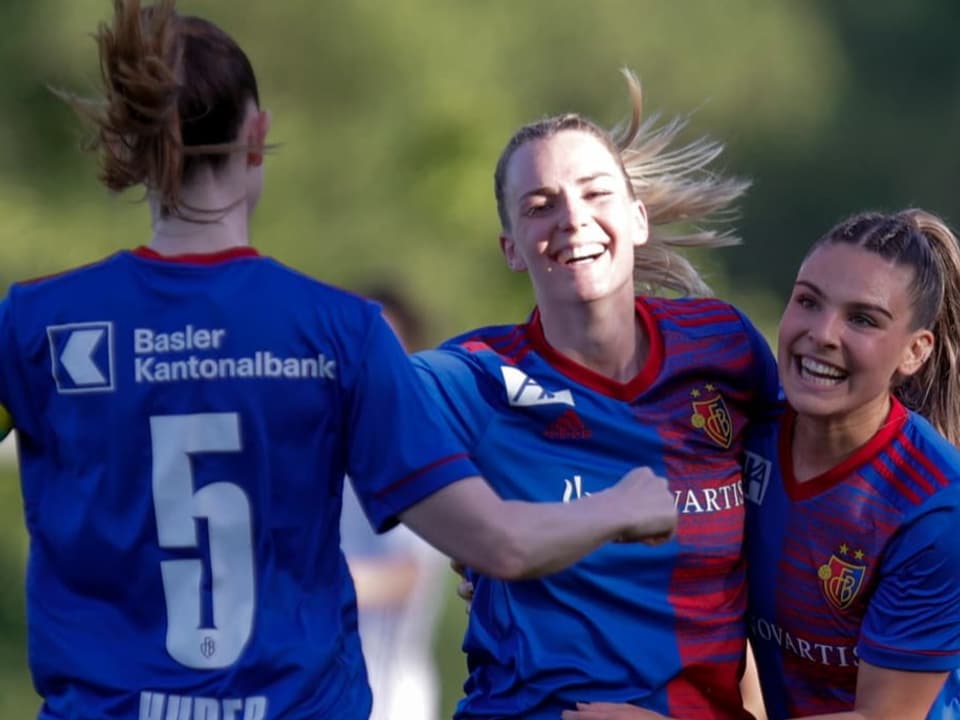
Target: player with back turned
{"x": 186, "y": 412}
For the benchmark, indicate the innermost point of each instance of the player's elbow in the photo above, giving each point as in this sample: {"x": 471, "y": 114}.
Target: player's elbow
{"x": 505, "y": 555}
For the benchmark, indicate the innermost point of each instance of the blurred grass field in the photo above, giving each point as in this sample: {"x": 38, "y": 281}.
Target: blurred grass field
{"x": 17, "y": 698}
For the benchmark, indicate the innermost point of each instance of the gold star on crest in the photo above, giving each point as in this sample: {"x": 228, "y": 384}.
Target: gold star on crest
{"x": 711, "y": 388}
{"x": 695, "y": 393}
{"x": 844, "y": 549}
{"x": 858, "y": 554}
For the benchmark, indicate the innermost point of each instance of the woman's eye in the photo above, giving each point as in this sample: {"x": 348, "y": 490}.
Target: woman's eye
{"x": 595, "y": 194}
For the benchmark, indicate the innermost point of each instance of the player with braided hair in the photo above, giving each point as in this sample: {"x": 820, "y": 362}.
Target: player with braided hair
{"x": 854, "y": 491}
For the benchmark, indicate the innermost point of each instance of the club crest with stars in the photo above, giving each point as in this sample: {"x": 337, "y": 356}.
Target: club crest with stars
{"x": 710, "y": 414}
{"x": 841, "y": 579}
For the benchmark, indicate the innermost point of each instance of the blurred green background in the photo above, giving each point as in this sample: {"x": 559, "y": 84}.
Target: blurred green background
{"x": 391, "y": 115}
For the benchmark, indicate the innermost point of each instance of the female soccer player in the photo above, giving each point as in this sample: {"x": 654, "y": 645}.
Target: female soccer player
{"x": 186, "y": 413}
{"x": 596, "y": 381}
{"x": 855, "y": 492}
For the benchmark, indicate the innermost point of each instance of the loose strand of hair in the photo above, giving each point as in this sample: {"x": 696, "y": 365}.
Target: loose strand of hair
{"x": 682, "y": 196}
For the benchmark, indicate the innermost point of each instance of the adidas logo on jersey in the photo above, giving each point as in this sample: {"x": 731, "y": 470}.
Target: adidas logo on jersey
{"x": 569, "y": 426}
{"x": 524, "y": 391}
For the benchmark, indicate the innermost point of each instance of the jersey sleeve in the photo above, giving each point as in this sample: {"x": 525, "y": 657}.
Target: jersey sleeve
{"x": 399, "y": 449}
{"x": 913, "y": 620}
{"x": 457, "y": 391}
{"x": 769, "y": 396}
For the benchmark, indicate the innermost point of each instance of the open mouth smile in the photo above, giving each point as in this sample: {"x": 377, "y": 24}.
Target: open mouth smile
{"x": 580, "y": 254}
{"x": 819, "y": 372}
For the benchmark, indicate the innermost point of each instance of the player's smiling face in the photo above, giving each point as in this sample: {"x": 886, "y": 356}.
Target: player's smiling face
{"x": 847, "y": 332}
{"x": 573, "y": 220}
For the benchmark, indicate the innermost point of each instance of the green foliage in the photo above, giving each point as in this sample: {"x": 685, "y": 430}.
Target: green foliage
{"x": 391, "y": 116}
{"x": 17, "y": 699}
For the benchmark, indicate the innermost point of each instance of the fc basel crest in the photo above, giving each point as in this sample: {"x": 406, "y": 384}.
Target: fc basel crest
{"x": 841, "y": 580}
{"x": 710, "y": 414}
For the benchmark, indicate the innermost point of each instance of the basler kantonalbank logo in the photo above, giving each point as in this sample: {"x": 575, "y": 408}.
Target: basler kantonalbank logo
{"x": 81, "y": 357}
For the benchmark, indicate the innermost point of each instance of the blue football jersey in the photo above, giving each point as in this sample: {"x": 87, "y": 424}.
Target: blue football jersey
{"x": 860, "y": 562}
{"x": 184, "y": 428}
{"x": 661, "y": 627}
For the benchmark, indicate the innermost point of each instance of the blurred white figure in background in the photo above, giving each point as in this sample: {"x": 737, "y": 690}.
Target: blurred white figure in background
{"x": 399, "y": 580}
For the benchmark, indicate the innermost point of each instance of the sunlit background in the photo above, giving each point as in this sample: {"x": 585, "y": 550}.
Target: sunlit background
{"x": 390, "y": 116}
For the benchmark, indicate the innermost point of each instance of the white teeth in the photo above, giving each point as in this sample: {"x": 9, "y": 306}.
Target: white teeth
{"x": 580, "y": 252}
{"x": 821, "y": 372}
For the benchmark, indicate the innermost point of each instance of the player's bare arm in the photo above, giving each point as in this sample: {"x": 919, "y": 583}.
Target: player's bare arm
{"x": 514, "y": 539}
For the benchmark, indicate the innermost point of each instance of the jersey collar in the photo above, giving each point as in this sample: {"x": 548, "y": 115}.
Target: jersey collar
{"x": 234, "y": 253}
{"x": 594, "y": 380}
{"x": 838, "y": 473}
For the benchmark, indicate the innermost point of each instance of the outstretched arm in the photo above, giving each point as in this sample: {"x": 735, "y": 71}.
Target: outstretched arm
{"x": 512, "y": 539}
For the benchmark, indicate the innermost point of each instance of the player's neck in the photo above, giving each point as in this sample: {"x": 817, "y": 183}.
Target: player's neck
{"x": 213, "y": 215}
{"x": 821, "y": 443}
{"x": 604, "y": 337}
{"x": 201, "y": 232}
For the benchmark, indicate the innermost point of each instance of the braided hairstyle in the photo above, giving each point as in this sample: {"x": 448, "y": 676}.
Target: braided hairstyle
{"x": 922, "y": 241}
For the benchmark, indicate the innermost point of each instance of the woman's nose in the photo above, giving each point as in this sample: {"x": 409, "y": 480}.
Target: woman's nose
{"x": 574, "y": 213}
{"x": 825, "y": 328}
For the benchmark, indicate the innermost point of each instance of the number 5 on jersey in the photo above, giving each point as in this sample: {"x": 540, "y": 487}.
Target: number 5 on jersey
{"x": 226, "y": 508}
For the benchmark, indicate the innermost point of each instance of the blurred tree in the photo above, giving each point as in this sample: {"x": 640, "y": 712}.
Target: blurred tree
{"x": 391, "y": 117}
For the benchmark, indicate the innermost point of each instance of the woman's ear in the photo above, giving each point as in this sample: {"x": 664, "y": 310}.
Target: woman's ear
{"x": 916, "y": 353}
{"x": 256, "y": 136}
{"x": 643, "y": 226}
{"x": 509, "y": 250}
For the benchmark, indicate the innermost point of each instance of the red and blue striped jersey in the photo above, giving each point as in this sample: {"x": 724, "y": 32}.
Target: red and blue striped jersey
{"x": 184, "y": 428}
{"x": 859, "y": 562}
{"x": 662, "y": 627}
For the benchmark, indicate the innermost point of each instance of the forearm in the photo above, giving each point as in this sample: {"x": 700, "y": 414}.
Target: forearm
{"x": 545, "y": 537}
{"x": 885, "y": 694}
{"x": 514, "y": 539}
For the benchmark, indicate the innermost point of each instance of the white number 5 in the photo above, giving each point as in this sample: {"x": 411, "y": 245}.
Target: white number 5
{"x": 227, "y": 511}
